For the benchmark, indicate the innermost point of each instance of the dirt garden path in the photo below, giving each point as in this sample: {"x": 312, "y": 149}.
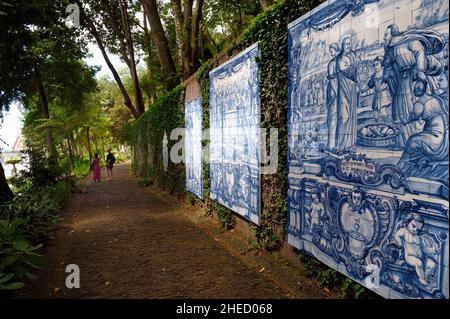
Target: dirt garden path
{"x": 131, "y": 242}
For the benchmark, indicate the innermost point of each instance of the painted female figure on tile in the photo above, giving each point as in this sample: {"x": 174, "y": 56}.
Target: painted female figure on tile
{"x": 347, "y": 96}
{"x": 408, "y": 58}
{"x": 426, "y": 152}
{"x": 332, "y": 87}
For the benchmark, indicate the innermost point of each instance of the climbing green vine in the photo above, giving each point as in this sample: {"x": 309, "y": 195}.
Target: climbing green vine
{"x": 224, "y": 214}
{"x": 330, "y": 279}
{"x": 166, "y": 114}
{"x": 270, "y": 30}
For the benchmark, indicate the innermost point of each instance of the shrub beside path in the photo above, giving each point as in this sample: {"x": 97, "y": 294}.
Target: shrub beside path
{"x": 133, "y": 242}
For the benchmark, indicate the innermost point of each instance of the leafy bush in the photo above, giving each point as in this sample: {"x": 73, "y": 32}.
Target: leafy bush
{"x": 166, "y": 114}
{"x": 38, "y": 209}
{"x": 17, "y": 256}
{"x": 82, "y": 167}
{"x": 62, "y": 192}
{"x": 41, "y": 171}
{"x": 267, "y": 238}
{"x": 343, "y": 286}
{"x": 225, "y": 216}
{"x": 27, "y": 220}
{"x": 20, "y": 184}
{"x": 144, "y": 182}
{"x": 122, "y": 157}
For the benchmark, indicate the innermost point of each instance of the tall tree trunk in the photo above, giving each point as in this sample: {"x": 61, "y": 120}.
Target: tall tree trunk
{"x": 159, "y": 38}
{"x": 62, "y": 147}
{"x": 130, "y": 49}
{"x": 148, "y": 47}
{"x": 95, "y": 143}
{"x": 110, "y": 13}
{"x": 88, "y": 138}
{"x": 178, "y": 19}
{"x": 241, "y": 22}
{"x": 187, "y": 32}
{"x": 195, "y": 35}
{"x": 94, "y": 33}
{"x": 187, "y": 26}
{"x": 103, "y": 145}
{"x": 52, "y": 155}
{"x": 14, "y": 169}
{"x": 264, "y": 4}
{"x": 74, "y": 145}
{"x": 6, "y": 193}
{"x": 69, "y": 147}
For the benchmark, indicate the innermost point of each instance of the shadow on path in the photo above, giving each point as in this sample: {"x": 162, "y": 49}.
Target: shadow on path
{"x": 132, "y": 243}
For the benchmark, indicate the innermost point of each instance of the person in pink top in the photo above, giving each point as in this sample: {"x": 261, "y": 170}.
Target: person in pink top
{"x": 95, "y": 166}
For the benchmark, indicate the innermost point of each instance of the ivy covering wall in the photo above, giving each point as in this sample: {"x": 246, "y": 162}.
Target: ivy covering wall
{"x": 270, "y": 29}
{"x": 166, "y": 114}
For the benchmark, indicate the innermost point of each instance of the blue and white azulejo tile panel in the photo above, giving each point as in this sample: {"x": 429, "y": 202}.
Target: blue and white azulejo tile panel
{"x": 193, "y": 147}
{"x": 234, "y": 130}
{"x": 368, "y": 142}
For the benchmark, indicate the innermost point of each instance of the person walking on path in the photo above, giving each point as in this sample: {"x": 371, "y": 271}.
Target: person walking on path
{"x": 110, "y": 160}
{"x": 95, "y": 166}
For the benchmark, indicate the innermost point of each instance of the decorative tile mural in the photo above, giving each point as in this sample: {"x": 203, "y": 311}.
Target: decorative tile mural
{"x": 234, "y": 130}
{"x": 368, "y": 142}
{"x": 193, "y": 146}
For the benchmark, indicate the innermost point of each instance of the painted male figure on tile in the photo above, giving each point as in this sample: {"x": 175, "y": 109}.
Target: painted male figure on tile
{"x": 347, "y": 96}
{"x": 332, "y": 91}
{"x": 378, "y": 151}
{"x": 381, "y": 103}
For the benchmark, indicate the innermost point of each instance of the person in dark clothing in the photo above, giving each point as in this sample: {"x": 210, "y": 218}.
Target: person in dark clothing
{"x": 110, "y": 160}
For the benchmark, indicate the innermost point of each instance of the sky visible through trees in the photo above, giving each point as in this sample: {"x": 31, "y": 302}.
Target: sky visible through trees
{"x": 75, "y": 75}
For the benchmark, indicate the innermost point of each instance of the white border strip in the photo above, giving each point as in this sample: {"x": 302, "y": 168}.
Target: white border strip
{"x": 310, "y": 13}
{"x": 250, "y": 48}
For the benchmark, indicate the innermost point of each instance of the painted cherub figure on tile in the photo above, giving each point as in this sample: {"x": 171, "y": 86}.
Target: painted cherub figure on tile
{"x": 416, "y": 247}
{"x": 317, "y": 211}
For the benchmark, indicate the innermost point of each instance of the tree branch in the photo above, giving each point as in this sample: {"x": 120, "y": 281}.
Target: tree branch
{"x": 187, "y": 33}
{"x": 159, "y": 38}
{"x": 130, "y": 49}
{"x": 93, "y": 30}
{"x": 195, "y": 33}
{"x": 119, "y": 35}
{"x": 178, "y": 19}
